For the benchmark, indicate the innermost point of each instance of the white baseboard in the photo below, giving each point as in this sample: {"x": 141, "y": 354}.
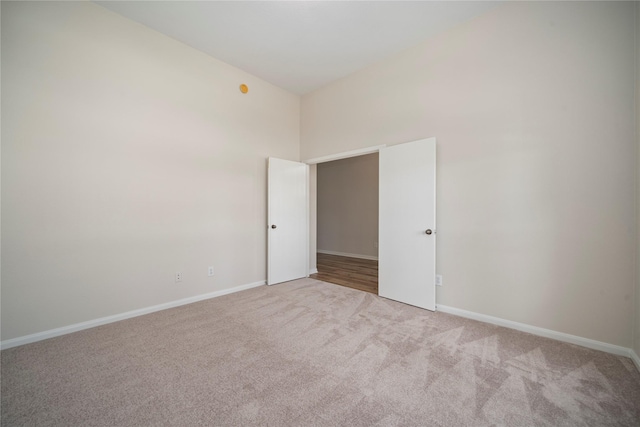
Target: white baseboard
{"x": 548, "y": 333}
{"x": 313, "y": 271}
{"x": 27, "y": 339}
{"x": 322, "y": 251}
{"x": 635, "y": 358}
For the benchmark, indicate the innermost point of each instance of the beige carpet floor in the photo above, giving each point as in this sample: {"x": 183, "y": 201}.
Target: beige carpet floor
{"x": 308, "y": 353}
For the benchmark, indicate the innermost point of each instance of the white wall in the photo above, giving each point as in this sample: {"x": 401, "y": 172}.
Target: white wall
{"x": 348, "y": 206}
{"x": 532, "y": 106}
{"x": 126, "y": 156}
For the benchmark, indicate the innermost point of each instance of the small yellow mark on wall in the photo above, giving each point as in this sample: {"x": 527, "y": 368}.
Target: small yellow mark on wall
{"x": 244, "y": 88}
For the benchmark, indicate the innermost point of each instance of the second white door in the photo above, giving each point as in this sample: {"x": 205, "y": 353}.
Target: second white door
{"x": 407, "y": 221}
{"x": 288, "y": 227}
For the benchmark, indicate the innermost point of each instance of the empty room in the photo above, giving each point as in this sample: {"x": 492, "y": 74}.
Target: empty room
{"x": 163, "y": 208}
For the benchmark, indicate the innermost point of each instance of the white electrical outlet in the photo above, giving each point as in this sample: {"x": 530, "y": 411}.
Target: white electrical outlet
{"x": 210, "y": 271}
{"x": 438, "y": 280}
{"x": 178, "y": 276}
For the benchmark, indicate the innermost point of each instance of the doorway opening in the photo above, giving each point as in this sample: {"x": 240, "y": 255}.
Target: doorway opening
{"x": 347, "y": 222}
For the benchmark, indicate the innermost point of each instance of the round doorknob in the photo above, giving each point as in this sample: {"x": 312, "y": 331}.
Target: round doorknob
{"x": 274, "y": 226}
{"x": 429, "y": 231}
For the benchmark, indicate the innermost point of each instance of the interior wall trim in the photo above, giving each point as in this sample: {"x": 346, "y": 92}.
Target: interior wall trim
{"x": 322, "y": 251}
{"x": 636, "y": 359}
{"x": 345, "y": 155}
{"x": 27, "y": 339}
{"x": 547, "y": 333}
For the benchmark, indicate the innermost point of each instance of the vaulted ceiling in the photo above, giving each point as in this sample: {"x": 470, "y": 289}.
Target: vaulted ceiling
{"x": 299, "y": 45}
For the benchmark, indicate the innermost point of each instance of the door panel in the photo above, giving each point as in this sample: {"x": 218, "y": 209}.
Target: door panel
{"x": 407, "y": 254}
{"x": 287, "y": 254}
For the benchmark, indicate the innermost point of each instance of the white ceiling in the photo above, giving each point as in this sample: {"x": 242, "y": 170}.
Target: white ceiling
{"x": 299, "y": 45}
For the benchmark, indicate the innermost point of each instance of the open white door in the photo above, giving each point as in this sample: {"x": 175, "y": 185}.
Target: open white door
{"x": 288, "y": 248}
{"x": 407, "y": 220}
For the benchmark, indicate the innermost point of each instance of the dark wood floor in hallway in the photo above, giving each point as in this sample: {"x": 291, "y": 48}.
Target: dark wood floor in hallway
{"x": 356, "y": 273}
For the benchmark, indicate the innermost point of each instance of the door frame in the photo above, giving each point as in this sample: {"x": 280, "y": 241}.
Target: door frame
{"x": 339, "y": 156}
{"x": 325, "y": 159}
{"x": 345, "y": 155}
